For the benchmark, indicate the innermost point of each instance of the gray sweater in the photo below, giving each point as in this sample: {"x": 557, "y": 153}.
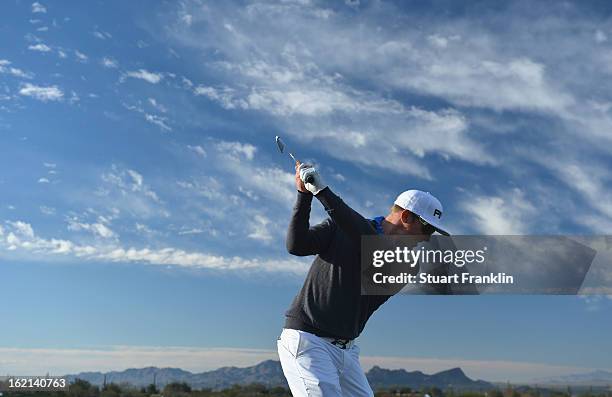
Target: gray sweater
{"x": 330, "y": 303}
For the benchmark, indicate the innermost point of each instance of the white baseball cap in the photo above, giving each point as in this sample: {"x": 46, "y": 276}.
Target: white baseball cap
{"x": 425, "y": 205}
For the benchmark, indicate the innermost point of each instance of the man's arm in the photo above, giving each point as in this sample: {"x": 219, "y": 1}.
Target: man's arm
{"x": 303, "y": 240}
{"x": 347, "y": 219}
{"x": 350, "y": 221}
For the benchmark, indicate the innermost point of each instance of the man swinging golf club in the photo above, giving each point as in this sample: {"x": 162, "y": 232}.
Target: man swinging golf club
{"x": 317, "y": 346}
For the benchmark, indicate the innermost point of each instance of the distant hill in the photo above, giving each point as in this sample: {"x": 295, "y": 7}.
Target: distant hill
{"x": 453, "y": 378}
{"x": 267, "y": 372}
{"x": 270, "y": 374}
{"x": 595, "y": 378}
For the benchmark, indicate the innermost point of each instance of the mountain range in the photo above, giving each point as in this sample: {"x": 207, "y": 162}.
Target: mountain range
{"x": 270, "y": 374}
{"x": 595, "y": 378}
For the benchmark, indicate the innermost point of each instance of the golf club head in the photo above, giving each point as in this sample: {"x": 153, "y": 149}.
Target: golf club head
{"x": 281, "y": 148}
{"x": 279, "y": 144}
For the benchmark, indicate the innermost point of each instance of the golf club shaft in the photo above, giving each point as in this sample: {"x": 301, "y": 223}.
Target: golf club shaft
{"x": 281, "y": 148}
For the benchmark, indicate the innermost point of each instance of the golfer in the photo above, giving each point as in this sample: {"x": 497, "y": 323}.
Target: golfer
{"x": 317, "y": 346}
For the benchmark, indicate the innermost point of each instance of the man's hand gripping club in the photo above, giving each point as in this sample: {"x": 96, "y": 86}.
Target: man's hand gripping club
{"x": 302, "y": 173}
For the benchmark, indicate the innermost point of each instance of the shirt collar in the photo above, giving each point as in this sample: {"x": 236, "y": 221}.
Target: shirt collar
{"x": 378, "y": 223}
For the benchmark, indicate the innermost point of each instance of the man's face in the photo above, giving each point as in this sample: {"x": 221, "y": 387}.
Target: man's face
{"x": 411, "y": 224}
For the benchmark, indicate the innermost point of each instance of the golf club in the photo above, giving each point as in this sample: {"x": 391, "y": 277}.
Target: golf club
{"x": 281, "y": 148}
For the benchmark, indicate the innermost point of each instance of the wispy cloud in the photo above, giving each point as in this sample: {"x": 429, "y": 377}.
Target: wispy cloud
{"x": 402, "y": 97}
{"x": 98, "y": 229}
{"x": 145, "y": 75}
{"x": 307, "y": 98}
{"x": 237, "y": 149}
{"x": 159, "y": 121}
{"x": 101, "y": 35}
{"x": 110, "y": 358}
{"x": 129, "y": 180}
{"x": 38, "y": 8}
{"x": 5, "y": 68}
{"x": 199, "y": 150}
{"x": 506, "y": 214}
{"x": 47, "y": 210}
{"x": 39, "y": 47}
{"x": 109, "y": 62}
{"x": 260, "y": 228}
{"x": 80, "y": 56}
{"x": 19, "y": 236}
{"x": 42, "y": 93}
{"x": 158, "y": 106}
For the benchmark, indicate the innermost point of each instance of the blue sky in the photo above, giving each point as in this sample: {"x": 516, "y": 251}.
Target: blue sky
{"x": 144, "y": 204}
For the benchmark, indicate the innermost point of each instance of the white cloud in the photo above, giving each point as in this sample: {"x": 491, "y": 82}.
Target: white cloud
{"x": 474, "y": 70}
{"x": 45, "y": 94}
{"x": 600, "y": 36}
{"x": 224, "y": 96}
{"x": 109, "y": 62}
{"x": 157, "y": 105}
{"x": 589, "y": 178}
{"x": 137, "y": 180}
{"x": 339, "y": 177}
{"x": 236, "y": 149}
{"x": 127, "y": 179}
{"x": 506, "y": 214}
{"x": 101, "y": 35}
{"x": 97, "y": 229}
{"x": 39, "y": 47}
{"x": 38, "y": 8}
{"x": 308, "y": 101}
{"x": 145, "y": 75}
{"x": 199, "y": 150}
{"x": 234, "y": 179}
{"x": 272, "y": 183}
{"x": 144, "y": 229}
{"x": 7, "y": 69}
{"x": 43, "y": 180}
{"x": 593, "y": 303}
{"x": 129, "y": 193}
{"x": 21, "y": 237}
{"x": 188, "y": 19}
{"x": 22, "y": 229}
{"x": 260, "y": 228}
{"x": 71, "y": 361}
{"x": 441, "y": 41}
{"x": 80, "y": 56}
{"x": 159, "y": 121}
{"x": 190, "y": 231}
{"x": 47, "y": 210}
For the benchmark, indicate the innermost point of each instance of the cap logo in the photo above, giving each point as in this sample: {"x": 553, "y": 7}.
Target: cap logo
{"x": 437, "y": 213}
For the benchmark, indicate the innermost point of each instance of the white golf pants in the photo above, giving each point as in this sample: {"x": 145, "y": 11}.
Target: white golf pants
{"x": 316, "y": 368}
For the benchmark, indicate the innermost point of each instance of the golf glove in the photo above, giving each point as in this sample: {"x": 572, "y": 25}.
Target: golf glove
{"x": 315, "y": 182}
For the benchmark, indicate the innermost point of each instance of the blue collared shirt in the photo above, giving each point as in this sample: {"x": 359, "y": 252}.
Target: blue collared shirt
{"x": 378, "y": 223}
